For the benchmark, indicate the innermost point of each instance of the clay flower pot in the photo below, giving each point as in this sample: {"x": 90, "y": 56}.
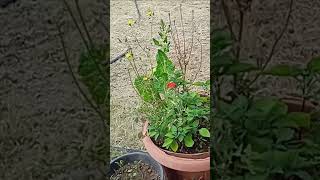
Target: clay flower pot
{"x": 179, "y": 166}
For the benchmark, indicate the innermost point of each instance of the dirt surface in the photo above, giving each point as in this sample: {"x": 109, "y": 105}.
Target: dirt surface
{"x": 137, "y": 170}
{"x": 47, "y": 131}
{"x": 265, "y": 20}
{"x": 125, "y": 120}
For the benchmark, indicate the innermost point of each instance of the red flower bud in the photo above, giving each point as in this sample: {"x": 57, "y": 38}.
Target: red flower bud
{"x": 171, "y": 85}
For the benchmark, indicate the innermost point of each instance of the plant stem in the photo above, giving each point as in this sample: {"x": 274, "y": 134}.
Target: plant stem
{"x": 273, "y": 46}
{"x": 76, "y": 81}
{"x": 83, "y": 22}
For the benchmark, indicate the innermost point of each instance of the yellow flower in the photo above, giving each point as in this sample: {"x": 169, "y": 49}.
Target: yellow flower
{"x": 129, "y": 56}
{"x": 131, "y": 22}
{"x": 150, "y": 12}
{"x": 145, "y": 78}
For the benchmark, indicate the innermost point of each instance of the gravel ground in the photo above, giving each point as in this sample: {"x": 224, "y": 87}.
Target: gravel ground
{"x": 47, "y": 130}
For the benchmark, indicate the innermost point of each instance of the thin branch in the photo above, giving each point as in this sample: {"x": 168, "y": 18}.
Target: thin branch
{"x": 118, "y": 57}
{"x": 86, "y": 43}
{"x": 76, "y": 81}
{"x": 136, "y": 4}
{"x": 83, "y": 22}
{"x": 201, "y": 59}
{"x": 227, "y": 15}
{"x": 274, "y": 45}
{"x": 175, "y": 43}
{"x": 77, "y": 25}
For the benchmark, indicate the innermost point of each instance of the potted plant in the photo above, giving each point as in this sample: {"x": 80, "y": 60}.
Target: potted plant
{"x": 136, "y": 165}
{"x": 262, "y": 137}
{"x": 176, "y": 131}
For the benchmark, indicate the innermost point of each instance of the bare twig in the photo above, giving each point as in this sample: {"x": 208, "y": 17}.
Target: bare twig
{"x": 200, "y": 66}
{"x": 118, "y": 57}
{"x": 76, "y": 24}
{"x": 229, "y": 22}
{"x": 89, "y": 48}
{"x": 175, "y": 43}
{"x": 136, "y": 4}
{"x": 83, "y": 22}
{"x": 274, "y": 45}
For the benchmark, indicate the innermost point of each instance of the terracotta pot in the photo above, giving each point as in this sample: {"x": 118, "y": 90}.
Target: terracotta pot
{"x": 179, "y": 166}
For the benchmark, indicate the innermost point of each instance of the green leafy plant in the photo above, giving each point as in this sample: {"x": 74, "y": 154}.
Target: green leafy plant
{"x": 178, "y": 115}
{"x": 259, "y": 139}
{"x": 253, "y": 137}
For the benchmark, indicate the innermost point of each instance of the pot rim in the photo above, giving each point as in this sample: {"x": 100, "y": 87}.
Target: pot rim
{"x": 171, "y": 161}
{"x": 157, "y": 165}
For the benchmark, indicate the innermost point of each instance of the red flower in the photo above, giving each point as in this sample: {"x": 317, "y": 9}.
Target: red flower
{"x": 171, "y": 85}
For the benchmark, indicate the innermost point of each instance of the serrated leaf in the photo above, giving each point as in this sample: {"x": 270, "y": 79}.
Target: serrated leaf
{"x": 204, "y": 132}
{"x": 188, "y": 141}
{"x": 239, "y": 68}
{"x": 174, "y": 146}
{"x": 283, "y": 70}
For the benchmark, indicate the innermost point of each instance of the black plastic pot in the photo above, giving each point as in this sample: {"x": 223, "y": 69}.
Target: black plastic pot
{"x": 137, "y": 156}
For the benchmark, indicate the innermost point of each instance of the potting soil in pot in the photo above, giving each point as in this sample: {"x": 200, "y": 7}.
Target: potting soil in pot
{"x": 137, "y": 170}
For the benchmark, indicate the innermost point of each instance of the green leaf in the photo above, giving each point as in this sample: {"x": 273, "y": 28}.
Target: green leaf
{"x": 204, "y": 132}
{"x": 93, "y": 73}
{"x": 314, "y": 64}
{"x": 174, "y": 146}
{"x": 284, "y": 134}
{"x": 169, "y": 135}
{"x": 167, "y": 142}
{"x": 156, "y": 42}
{"x": 146, "y": 89}
{"x": 152, "y": 133}
{"x": 300, "y": 119}
{"x": 283, "y": 70}
{"x": 195, "y": 123}
{"x": 164, "y": 71}
{"x": 188, "y": 141}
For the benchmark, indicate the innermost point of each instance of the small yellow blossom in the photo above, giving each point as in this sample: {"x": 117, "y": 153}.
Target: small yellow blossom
{"x": 145, "y": 78}
{"x": 131, "y": 22}
{"x": 150, "y": 13}
{"x": 129, "y": 56}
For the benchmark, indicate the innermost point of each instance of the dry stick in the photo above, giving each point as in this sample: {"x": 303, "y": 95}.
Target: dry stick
{"x": 118, "y": 57}
{"x": 274, "y": 45}
{"x": 139, "y": 14}
{"x": 191, "y": 45}
{"x": 227, "y": 15}
{"x": 235, "y": 78}
{"x": 174, "y": 41}
{"x": 76, "y": 81}
{"x": 184, "y": 37}
{"x": 146, "y": 52}
{"x": 83, "y": 22}
{"x": 77, "y": 25}
{"x": 201, "y": 59}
